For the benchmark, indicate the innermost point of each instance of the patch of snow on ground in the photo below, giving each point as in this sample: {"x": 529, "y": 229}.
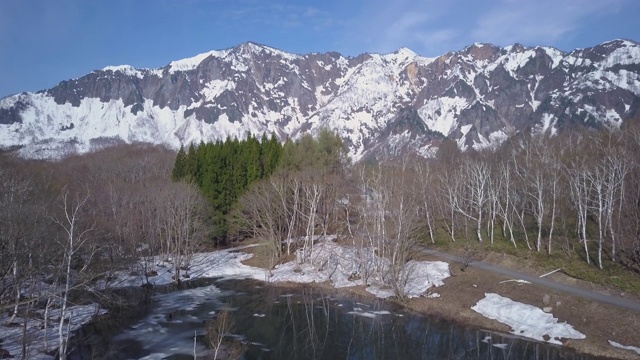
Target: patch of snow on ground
{"x": 525, "y": 320}
{"x": 221, "y": 263}
{"x": 327, "y": 261}
{"x": 12, "y": 336}
{"x": 519, "y": 281}
{"x": 625, "y": 347}
{"x": 336, "y": 263}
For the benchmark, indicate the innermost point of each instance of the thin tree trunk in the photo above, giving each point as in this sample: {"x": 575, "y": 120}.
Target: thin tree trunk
{"x": 553, "y": 216}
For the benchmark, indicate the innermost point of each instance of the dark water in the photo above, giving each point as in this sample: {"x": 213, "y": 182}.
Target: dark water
{"x": 276, "y": 323}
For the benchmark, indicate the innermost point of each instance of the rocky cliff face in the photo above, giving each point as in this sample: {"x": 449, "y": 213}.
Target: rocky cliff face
{"x": 382, "y": 105}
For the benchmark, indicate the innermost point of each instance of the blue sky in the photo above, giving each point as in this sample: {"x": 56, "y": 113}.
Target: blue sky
{"x": 43, "y": 42}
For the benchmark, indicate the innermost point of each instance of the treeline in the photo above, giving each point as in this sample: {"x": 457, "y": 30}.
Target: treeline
{"x": 298, "y": 199}
{"x": 224, "y": 169}
{"x": 575, "y": 192}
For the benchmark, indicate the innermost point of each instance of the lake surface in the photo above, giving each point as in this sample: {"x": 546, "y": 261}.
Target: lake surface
{"x": 277, "y": 323}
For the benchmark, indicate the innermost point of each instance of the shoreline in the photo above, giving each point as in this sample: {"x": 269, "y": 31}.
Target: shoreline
{"x": 447, "y": 309}
{"x": 450, "y": 300}
{"x": 441, "y": 308}
{"x": 600, "y": 323}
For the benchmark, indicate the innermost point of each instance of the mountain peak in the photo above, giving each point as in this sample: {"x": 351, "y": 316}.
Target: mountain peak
{"x": 474, "y": 96}
{"x": 129, "y": 70}
{"x": 193, "y": 62}
{"x": 517, "y": 48}
{"x": 252, "y": 48}
{"x": 404, "y": 51}
{"x": 481, "y": 51}
{"x": 621, "y": 43}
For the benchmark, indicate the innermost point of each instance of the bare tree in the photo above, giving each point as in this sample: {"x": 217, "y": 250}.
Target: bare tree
{"x": 389, "y": 219}
{"x": 451, "y": 186}
{"x": 218, "y": 331}
{"x": 15, "y": 239}
{"x": 493, "y": 195}
{"x": 261, "y": 212}
{"x": 288, "y": 188}
{"x": 473, "y": 193}
{"x": 606, "y": 178}
{"x": 181, "y": 216}
{"x": 578, "y": 175}
{"x": 426, "y": 185}
{"x": 505, "y": 203}
{"x": 532, "y": 170}
{"x": 76, "y": 222}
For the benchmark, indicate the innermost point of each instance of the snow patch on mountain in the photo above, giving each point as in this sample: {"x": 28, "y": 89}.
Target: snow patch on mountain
{"x": 627, "y": 54}
{"x": 46, "y": 122}
{"x": 555, "y": 55}
{"x": 193, "y": 62}
{"x": 514, "y": 60}
{"x": 548, "y": 123}
{"x": 441, "y": 114}
{"x": 624, "y": 79}
{"x": 125, "y": 69}
{"x": 129, "y": 70}
{"x": 215, "y": 88}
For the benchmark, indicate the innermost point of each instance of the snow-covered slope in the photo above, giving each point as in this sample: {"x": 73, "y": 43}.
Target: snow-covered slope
{"x": 381, "y": 104}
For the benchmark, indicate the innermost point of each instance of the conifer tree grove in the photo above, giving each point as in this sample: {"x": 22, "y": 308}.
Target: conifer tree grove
{"x": 224, "y": 169}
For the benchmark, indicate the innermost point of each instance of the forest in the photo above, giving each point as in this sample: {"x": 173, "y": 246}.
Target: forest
{"x": 71, "y": 223}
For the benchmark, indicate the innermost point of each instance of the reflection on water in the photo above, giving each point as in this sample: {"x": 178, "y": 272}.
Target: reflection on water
{"x": 276, "y": 323}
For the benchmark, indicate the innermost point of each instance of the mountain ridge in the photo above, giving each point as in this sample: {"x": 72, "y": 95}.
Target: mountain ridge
{"x": 477, "y": 96}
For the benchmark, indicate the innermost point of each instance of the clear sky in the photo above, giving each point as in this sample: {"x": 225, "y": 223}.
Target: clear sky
{"x": 43, "y": 42}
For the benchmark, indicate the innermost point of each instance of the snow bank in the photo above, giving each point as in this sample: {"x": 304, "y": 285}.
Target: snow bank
{"x": 338, "y": 264}
{"x": 327, "y": 261}
{"x": 221, "y": 263}
{"x": 525, "y": 320}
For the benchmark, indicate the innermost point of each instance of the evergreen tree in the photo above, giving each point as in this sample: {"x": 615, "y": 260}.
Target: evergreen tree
{"x": 179, "y": 166}
{"x": 251, "y": 156}
{"x": 224, "y": 170}
{"x": 191, "y": 164}
{"x": 270, "y": 152}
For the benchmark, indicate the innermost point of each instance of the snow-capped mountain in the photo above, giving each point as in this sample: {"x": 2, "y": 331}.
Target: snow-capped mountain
{"x": 380, "y": 104}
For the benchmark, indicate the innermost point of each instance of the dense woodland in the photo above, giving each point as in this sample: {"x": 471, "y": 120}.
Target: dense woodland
{"x": 224, "y": 170}
{"x": 73, "y": 222}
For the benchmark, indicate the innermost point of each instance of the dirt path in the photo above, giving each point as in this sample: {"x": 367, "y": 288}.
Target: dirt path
{"x": 573, "y": 290}
{"x": 590, "y": 309}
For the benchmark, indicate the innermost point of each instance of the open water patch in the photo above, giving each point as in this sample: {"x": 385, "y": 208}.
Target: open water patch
{"x": 308, "y": 323}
